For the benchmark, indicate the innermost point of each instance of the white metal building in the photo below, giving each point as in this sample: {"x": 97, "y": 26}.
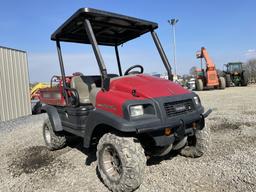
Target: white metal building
{"x": 14, "y": 84}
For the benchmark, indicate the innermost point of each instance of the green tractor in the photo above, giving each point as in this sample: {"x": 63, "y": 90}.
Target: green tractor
{"x": 235, "y": 75}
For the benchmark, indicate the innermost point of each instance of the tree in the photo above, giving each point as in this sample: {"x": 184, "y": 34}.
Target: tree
{"x": 250, "y": 67}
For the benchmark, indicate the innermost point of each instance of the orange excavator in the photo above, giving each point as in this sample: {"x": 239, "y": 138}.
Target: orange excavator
{"x": 208, "y": 78}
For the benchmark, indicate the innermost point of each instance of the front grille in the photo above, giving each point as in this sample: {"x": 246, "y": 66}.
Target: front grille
{"x": 178, "y": 107}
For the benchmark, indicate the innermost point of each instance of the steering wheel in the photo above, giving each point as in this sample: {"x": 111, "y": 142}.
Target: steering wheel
{"x": 127, "y": 72}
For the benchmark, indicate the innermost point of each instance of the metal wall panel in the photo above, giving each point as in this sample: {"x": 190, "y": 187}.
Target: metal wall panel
{"x": 14, "y": 84}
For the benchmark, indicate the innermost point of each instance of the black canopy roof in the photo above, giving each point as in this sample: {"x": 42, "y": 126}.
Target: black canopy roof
{"x": 109, "y": 28}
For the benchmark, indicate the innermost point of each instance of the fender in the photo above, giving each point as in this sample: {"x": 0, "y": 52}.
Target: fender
{"x": 99, "y": 117}
{"x": 54, "y": 117}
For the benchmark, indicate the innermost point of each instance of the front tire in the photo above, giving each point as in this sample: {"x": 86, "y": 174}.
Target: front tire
{"x": 199, "y": 85}
{"x": 222, "y": 82}
{"x": 52, "y": 140}
{"x": 121, "y": 162}
{"x": 197, "y": 144}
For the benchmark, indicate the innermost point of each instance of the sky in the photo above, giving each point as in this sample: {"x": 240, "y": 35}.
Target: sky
{"x": 226, "y": 28}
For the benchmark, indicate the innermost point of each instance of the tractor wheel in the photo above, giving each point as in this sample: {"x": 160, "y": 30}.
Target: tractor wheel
{"x": 121, "y": 162}
{"x": 199, "y": 85}
{"x": 197, "y": 144}
{"x": 52, "y": 140}
{"x": 222, "y": 83}
{"x": 244, "y": 79}
{"x": 37, "y": 108}
{"x": 228, "y": 80}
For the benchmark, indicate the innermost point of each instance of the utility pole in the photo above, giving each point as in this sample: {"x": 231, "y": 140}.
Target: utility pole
{"x": 173, "y": 22}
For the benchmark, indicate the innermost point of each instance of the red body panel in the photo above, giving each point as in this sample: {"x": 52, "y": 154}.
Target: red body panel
{"x": 146, "y": 87}
{"x": 52, "y": 96}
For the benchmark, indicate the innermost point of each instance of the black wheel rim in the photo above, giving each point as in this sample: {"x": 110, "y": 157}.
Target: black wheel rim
{"x": 111, "y": 163}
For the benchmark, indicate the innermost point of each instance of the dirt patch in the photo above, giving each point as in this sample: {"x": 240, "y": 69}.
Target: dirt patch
{"x": 213, "y": 118}
{"x": 32, "y": 159}
{"x": 227, "y": 124}
{"x": 249, "y": 112}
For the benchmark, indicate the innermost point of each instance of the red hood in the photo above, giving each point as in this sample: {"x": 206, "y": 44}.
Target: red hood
{"x": 147, "y": 86}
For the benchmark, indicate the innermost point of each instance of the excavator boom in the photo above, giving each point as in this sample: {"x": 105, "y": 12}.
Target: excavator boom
{"x": 211, "y": 75}
{"x": 208, "y": 60}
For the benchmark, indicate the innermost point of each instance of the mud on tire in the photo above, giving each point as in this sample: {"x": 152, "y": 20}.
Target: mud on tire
{"x": 121, "y": 162}
{"x": 52, "y": 140}
{"x": 198, "y": 144}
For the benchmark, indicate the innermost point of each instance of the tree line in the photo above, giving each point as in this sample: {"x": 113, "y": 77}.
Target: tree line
{"x": 250, "y": 67}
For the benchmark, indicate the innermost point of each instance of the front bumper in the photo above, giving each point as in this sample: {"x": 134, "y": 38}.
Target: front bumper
{"x": 181, "y": 124}
{"x": 181, "y": 127}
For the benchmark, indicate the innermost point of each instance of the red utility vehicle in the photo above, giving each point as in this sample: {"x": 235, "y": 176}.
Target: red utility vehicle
{"x": 208, "y": 78}
{"x": 126, "y": 116}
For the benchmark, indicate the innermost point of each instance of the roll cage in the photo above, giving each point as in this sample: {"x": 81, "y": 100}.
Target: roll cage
{"x": 96, "y": 27}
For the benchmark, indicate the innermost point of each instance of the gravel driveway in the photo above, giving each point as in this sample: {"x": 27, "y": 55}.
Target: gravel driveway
{"x": 230, "y": 165}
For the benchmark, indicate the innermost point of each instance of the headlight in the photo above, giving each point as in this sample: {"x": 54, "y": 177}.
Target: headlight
{"x": 197, "y": 100}
{"x": 136, "y": 110}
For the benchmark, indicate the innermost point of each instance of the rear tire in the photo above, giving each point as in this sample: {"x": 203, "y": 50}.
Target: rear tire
{"x": 244, "y": 79}
{"x": 121, "y": 162}
{"x": 198, "y": 144}
{"x": 199, "y": 85}
{"x": 52, "y": 140}
{"x": 228, "y": 80}
{"x": 222, "y": 83}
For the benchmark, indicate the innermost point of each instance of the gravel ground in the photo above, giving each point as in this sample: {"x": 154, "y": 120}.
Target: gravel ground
{"x": 26, "y": 165}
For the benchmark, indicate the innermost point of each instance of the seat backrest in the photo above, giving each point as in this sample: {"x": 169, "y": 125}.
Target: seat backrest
{"x": 98, "y": 80}
{"x": 83, "y": 85}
